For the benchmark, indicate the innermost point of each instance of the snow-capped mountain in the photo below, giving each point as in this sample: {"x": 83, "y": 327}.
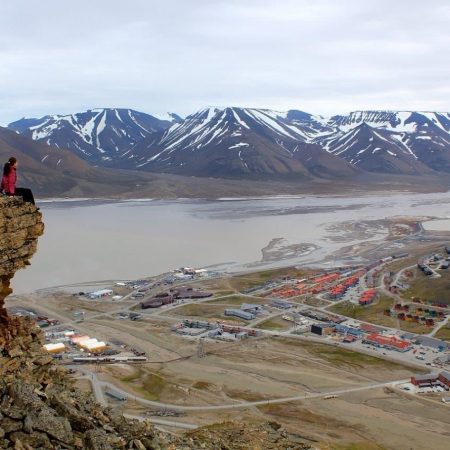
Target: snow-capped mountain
{"x": 249, "y": 142}
{"x": 97, "y": 135}
{"x": 392, "y": 142}
{"x": 238, "y": 142}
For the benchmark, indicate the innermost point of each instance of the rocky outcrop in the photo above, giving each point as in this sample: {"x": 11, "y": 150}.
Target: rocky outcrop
{"x": 20, "y": 226}
{"x": 39, "y": 406}
{"x": 41, "y": 409}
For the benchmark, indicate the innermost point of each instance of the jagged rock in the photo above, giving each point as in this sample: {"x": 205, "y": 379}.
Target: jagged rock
{"x": 35, "y": 440}
{"x": 20, "y": 226}
{"x": 47, "y": 421}
{"x": 10, "y": 425}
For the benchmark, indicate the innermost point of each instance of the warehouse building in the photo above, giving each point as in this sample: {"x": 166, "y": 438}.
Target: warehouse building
{"x": 345, "y": 330}
{"x": 251, "y": 308}
{"x": 322, "y": 329}
{"x": 282, "y": 304}
{"x": 390, "y": 343}
{"x": 100, "y": 294}
{"x": 239, "y": 313}
{"x": 431, "y": 342}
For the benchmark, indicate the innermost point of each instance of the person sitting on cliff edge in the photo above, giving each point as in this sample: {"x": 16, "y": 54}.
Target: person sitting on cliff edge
{"x": 9, "y": 180}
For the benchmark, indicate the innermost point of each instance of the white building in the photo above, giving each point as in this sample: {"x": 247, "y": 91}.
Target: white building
{"x": 101, "y": 293}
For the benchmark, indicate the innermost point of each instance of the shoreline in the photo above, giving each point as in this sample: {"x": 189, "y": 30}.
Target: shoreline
{"x": 359, "y": 193}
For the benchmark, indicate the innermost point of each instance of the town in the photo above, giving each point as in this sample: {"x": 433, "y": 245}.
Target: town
{"x": 125, "y": 335}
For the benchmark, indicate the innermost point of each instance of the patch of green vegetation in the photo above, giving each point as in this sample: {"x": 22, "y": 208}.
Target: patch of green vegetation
{"x": 271, "y": 324}
{"x": 152, "y": 385}
{"x": 243, "y": 282}
{"x": 431, "y": 289}
{"x": 373, "y": 313}
{"x": 149, "y": 385}
{"x": 133, "y": 377}
{"x": 221, "y": 293}
{"x": 444, "y": 333}
{"x": 343, "y": 357}
{"x": 414, "y": 327}
{"x": 235, "y": 300}
{"x": 248, "y": 396}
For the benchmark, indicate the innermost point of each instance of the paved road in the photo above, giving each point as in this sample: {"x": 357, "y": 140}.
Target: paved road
{"x": 441, "y": 325}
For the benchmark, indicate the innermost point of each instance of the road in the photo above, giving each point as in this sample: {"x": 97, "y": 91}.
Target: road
{"x": 97, "y": 388}
{"x": 99, "y": 385}
{"x": 441, "y": 325}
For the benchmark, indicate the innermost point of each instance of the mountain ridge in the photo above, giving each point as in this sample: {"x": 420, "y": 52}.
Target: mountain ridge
{"x": 255, "y": 143}
{"x": 95, "y": 134}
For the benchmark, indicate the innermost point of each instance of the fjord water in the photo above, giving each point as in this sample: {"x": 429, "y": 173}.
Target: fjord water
{"x": 94, "y": 240}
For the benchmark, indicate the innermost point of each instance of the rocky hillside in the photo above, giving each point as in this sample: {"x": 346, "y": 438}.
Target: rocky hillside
{"x": 39, "y": 406}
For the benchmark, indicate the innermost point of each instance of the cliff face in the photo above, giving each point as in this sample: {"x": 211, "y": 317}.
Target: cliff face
{"x": 39, "y": 406}
{"x": 20, "y": 226}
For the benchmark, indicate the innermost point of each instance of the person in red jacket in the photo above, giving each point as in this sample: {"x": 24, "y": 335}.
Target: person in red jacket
{"x": 9, "y": 181}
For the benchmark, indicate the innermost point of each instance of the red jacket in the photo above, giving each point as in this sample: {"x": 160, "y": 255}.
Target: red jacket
{"x": 9, "y": 182}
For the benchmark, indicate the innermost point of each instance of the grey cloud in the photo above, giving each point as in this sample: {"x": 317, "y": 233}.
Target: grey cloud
{"x": 321, "y": 56}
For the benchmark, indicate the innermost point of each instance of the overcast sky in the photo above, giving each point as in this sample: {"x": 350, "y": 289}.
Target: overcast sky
{"x": 320, "y": 56}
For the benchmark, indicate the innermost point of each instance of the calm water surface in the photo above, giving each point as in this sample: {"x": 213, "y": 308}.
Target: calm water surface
{"x": 89, "y": 240}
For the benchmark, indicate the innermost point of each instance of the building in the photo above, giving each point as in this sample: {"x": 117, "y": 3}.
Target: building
{"x": 345, "y": 330}
{"x": 444, "y": 378}
{"x": 278, "y": 303}
{"x": 100, "y": 294}
{"x": 428, "y": 379}
{"x": 431, "y": 342}
{"x": 186, "y": 331}
{"x": 252, "y": 308}
{"x": 239, "y": 313}
{"x": 55, "y": 348}
{"x": 116, "y": 395}
{"x": 236, "y": 330}
{"x": 87, "y": 343}
{"x": 432, "y": 379}
{"x": 388, "y": 342}
{"x": 369, "y": 328}
{"x": 153, "y": 303}
{"x": 321, "y": 329}
{"x": 185, "y": 292}
{"x": 226, "y": 336}
{"x": 367, "y": 297}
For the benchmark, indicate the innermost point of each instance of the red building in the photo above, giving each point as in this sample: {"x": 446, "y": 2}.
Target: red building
{"x": 432, "y": 379}
{"x": 424, "y": 380}
{"x": 391, "y": 343}
{"x": 444, "y": 378}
